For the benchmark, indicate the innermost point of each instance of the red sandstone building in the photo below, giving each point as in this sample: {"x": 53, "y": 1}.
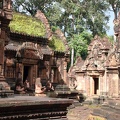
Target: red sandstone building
{"x": 28, "y": 51}
{"x": 99, "y": 74}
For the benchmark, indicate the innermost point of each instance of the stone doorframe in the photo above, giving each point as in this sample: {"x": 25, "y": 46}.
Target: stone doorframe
{"x": 27, "y": 72}
{"x": 94, "y": 85}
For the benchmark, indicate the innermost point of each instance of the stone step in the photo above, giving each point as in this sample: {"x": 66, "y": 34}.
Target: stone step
{"x": 6, "y": 93}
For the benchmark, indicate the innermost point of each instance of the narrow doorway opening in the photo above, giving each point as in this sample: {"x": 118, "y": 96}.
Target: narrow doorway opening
{"x": 96, "y": 85}
{"x": 26, "y": 73}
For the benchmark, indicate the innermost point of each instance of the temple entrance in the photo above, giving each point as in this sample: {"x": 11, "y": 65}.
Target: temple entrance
{"x": 26, "y": 73}
{"x": 96, "y": 85}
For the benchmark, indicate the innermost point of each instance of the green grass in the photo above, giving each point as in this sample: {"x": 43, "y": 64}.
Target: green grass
{"x": 91, "y": 117}
{"x": 57, "y": 44}
{"x": 93, "y": 106}
{"x": 28, "y": 25}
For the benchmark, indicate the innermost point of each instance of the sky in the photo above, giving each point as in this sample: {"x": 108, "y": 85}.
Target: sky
{"x": 110, "y": 24}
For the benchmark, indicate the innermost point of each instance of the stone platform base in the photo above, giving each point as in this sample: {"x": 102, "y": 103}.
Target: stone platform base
{"x": 33, "y": 107}
{"x": 5, "y": 90}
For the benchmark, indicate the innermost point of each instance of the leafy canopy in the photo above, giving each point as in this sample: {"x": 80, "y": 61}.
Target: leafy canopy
{"x": 80, "y": 44}
{"x": 72, "y": 17}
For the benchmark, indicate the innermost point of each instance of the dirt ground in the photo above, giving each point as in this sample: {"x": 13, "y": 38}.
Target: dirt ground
{"x": 79, "y": 113}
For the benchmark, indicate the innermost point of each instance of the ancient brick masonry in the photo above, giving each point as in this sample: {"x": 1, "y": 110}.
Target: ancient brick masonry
{"x": 117, "y": 34}
{"x": 5, "y": 17}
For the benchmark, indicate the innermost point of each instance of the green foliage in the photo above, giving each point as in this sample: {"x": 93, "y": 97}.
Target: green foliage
{"x": 57, "y": 44}
{"x": 91, "y": 117}
{"x": 80, "y": 44}
{"x": 27, "y": 25}
{"x": 72, "y": 17}
{"x": 31, "y": 6}
{"x": 54, "y": 28}
{"x": 95, "y": 16}
{"x": 115, "y": 5}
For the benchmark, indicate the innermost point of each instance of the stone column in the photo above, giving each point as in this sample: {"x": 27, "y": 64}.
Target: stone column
{"x": 101, "y": 84}
{"x": 65, "y": 71}
{"x": 5, "y": 18}
{"x": 117, "y": 35}
{"x": 52, "y": 75}
{"x": 91, "y": 86}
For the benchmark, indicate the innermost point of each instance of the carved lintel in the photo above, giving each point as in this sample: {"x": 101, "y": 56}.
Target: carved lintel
{"x": 29, "y": 61}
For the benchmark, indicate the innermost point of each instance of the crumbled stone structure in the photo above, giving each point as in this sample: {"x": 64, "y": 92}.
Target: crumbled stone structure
{"x": 99, "y": 74}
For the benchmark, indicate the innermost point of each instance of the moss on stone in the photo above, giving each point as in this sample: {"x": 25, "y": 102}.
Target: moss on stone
{"x": 91, "y": 117}
{"x": 57, "y": 44}
{"x": 28, "y": 25}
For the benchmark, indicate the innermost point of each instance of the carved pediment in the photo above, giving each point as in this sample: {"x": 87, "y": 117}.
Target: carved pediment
{"x": 98, "y": 51}
{"x": 29, "y": 50}
{"x": 30, "y": 54}
{"x": 113, "y": 59}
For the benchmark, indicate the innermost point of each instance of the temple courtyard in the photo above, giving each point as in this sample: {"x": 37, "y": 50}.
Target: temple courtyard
{"x": 109, "y": 110}
{"x": 26, "y": 107}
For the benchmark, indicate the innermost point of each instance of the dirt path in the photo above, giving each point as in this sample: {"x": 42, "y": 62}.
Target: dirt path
{"x": 79, "y": 113}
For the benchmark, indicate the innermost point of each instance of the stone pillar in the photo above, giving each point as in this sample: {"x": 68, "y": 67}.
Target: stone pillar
{"x": 2, "y": 42}
{"x": 65, "y": 72}
{"x": 106, "y": 85}
{"x": 91, "y": 86}
{"x": 117, "y": 35}
{"x": 52, "y": 75}
{"x": 5, "y": 18}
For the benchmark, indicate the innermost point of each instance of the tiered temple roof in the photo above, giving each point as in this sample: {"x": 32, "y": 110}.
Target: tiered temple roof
{"x": 26, "y": 28}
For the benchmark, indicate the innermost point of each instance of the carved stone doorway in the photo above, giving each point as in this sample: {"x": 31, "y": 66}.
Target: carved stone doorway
{"x": 27, "y": 73}
{"x": 96, "y": 85}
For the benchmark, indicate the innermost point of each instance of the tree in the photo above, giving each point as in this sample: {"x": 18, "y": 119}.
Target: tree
{"x": 96, "y": 19}
{"x": 72, "y": 17}
{"x": 31, "y": 6}
{"x": 80, "y": 43}
{"x": 115, "y": 5}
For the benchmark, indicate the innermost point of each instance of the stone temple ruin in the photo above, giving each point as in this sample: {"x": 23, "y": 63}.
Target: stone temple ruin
{"x": 99, "y": 74}
{"x": 27, "y": 56}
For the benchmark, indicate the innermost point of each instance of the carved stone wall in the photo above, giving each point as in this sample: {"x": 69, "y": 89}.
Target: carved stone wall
{"x": 91, "y": 75}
